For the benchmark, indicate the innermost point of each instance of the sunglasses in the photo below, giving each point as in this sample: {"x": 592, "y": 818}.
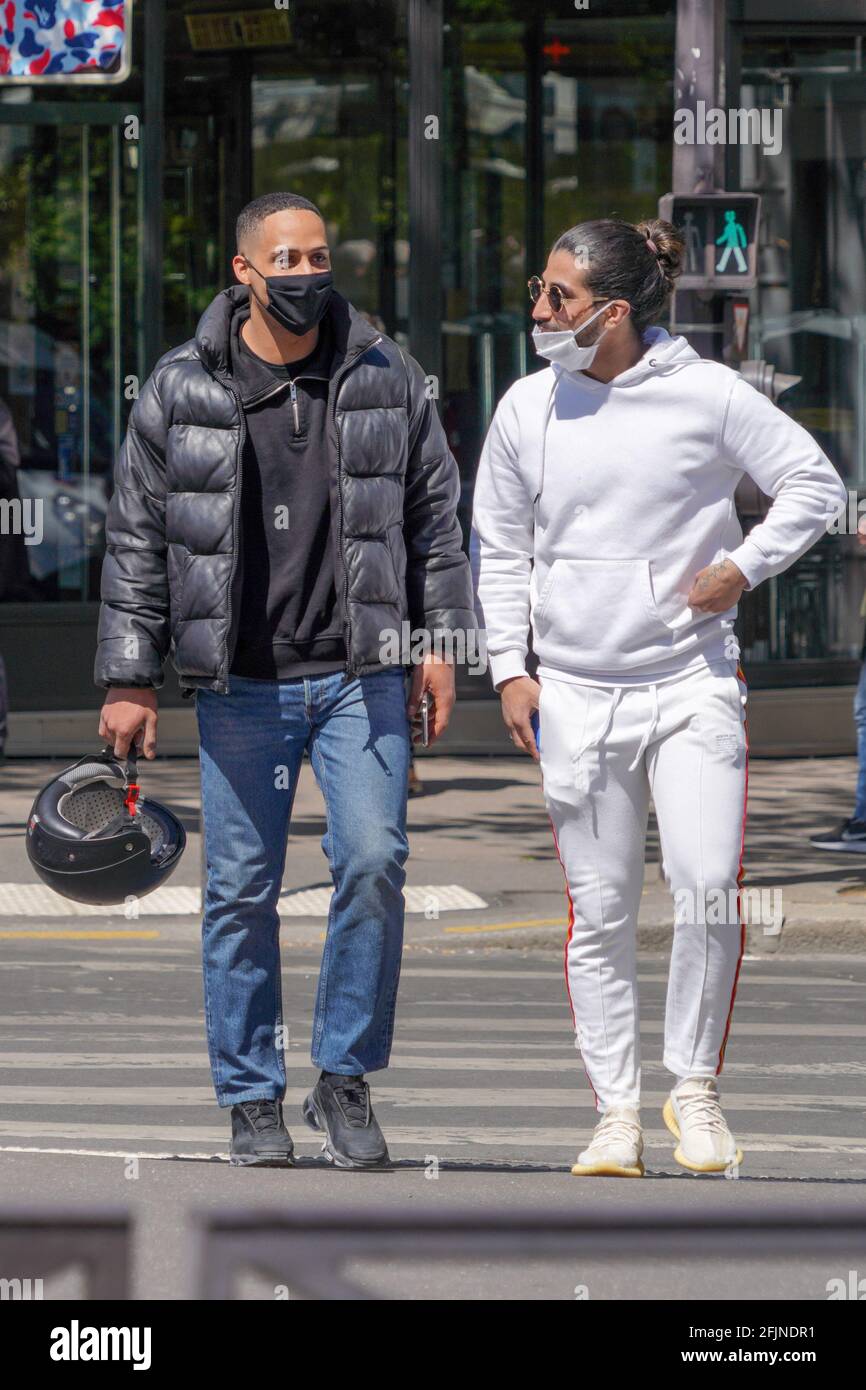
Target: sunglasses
{"x": 555, "y": 297}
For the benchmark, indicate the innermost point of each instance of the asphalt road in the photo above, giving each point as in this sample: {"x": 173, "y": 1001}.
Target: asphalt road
{"x": 105, "y": 1093}
{"x": 106, "y": 1098}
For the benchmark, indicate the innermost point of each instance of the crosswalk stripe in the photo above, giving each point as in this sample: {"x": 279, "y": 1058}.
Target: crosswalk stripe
{"x": 164, "y": 957}
{"x": 742, "y": 1029}
{"x": 435, "y": 1141}
{"x": 132, "y": 1026}
{"x": 146, "y": 1062}
{"x": 565, "y": 1097}
{"x": 163, "y": 963}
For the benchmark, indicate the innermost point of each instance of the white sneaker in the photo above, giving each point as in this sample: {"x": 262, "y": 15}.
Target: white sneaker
{"x": 693, "y": 1115}
{"x": 616, "y": 1147}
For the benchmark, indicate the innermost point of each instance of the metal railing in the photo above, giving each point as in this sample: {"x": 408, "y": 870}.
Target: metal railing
{"x": 306, "y": 1250}
{"x": 37, "y": 1244}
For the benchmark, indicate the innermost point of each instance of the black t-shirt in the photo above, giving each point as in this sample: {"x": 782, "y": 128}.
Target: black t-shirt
{"x": 289, "y": 621}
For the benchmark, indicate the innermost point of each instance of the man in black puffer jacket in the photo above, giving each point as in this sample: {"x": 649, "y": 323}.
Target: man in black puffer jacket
{"x": 284, "y": 510}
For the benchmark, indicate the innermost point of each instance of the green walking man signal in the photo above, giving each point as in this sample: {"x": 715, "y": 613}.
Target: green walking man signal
{"x": 720, "y": 231}
{"x": 733, "y": 239}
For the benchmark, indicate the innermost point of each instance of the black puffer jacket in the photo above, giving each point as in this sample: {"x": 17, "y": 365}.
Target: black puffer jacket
{"x": 171, "y": 578}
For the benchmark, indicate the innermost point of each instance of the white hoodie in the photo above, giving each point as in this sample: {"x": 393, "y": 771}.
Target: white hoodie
{"x": 597, "y": 503}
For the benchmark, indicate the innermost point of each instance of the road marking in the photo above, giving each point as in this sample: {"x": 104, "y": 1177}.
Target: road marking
{"x": 512, "y": 926}
{"x": 166, "y": 959}
{"x": 107, "y": 1153}
{"x": 143, "y": 1062}
{"x": 427, "y": 1140}
{"x": 743, "y": 1029}
{"x": 49, "y": 934}
{"x": 567, "y": 1096}
{"x": 409, "y": 1027}
{"x": 37, "y": 900}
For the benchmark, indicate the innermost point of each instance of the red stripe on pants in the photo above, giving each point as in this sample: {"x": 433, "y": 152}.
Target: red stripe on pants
{"x": 739, "y": 905}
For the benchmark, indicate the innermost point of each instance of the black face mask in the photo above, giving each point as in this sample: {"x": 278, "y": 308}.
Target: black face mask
{"x": 297, "y": 302}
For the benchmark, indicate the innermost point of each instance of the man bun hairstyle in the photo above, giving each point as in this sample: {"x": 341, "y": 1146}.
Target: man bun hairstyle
{"x": 252, "y": 216}
{"x": 667, "y": 244}
{"x": 638, "y": 263}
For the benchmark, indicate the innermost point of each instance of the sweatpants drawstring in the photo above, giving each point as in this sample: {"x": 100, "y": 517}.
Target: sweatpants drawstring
{"x": 648, "y": 732}
{"x": 582, "y": 776}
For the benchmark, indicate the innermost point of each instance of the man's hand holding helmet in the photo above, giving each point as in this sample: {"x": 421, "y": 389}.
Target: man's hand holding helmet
{"x": 130, "y": 712}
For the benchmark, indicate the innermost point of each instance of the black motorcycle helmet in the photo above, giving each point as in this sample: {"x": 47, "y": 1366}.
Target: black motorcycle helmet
{"x": 92, "y": 838}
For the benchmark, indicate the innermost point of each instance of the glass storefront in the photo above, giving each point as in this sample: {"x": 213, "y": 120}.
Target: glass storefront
{"x": 323, "y": 113}
{"x": 68, "y": 192}
{"x": 546, "y": 119}
{"x": 549, "y": 120}
{"x": 808, "y": 320}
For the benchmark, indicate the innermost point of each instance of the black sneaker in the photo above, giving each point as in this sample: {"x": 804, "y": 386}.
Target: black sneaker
{"x": 339, "y": 1107}
{"x": 850, "y": 836}
{"x": 259, "y": 1137}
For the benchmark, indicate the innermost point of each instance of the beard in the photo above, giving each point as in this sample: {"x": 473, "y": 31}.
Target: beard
{"x": 586, "y": 337}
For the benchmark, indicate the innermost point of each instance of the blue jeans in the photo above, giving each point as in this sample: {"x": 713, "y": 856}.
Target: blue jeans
{"x": 860, "y": 723}
{"x": 252, "y": 744}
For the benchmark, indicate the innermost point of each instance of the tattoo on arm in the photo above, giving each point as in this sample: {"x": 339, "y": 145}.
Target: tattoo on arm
{"x": 717, "y": 571}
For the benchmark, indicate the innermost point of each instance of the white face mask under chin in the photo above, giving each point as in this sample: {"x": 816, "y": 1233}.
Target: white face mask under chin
{"x": 560, "y": 347}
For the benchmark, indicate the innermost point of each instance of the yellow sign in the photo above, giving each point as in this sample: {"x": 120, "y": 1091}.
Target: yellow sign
{"x": 241, "y": 29}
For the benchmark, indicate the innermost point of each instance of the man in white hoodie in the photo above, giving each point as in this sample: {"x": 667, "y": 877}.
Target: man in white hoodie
{"x": 605, "y": 520}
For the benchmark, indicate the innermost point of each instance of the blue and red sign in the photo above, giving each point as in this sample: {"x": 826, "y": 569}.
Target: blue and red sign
{"x": 63, "y": 39}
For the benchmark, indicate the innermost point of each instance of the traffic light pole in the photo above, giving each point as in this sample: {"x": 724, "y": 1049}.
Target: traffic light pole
{"x": 711, "y": 307}
{"x": 699, "y": 168}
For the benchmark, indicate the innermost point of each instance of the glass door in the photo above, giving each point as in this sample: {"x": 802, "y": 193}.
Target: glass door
{"x": 70, "y": 341}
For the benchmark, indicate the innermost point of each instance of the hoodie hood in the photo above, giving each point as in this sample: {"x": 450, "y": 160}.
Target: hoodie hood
{"x": 661, "y": 352}
{"x": 351, "y": 331}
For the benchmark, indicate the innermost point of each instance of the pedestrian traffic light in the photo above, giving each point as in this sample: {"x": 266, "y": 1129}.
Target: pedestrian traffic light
{"x": 720, "y": 231}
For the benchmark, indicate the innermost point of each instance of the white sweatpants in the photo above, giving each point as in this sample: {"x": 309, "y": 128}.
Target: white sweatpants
{"x": 603, "y": 752}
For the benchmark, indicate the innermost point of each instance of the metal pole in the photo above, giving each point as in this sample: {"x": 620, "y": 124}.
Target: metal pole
{"x": 85, "y": 347}
{"x": 699, "y": 77}
{"x": 699, "y": 68}
{"x": 153, "y": 141}
{"x": 425, "y": 184}
{"x": 115, "y": 213}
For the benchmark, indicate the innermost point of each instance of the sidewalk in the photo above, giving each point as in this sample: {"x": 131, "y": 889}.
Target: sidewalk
{"x": 481, "y": 826}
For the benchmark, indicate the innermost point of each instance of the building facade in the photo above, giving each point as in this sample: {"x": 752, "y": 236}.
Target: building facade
{"x": 447, "y": 143}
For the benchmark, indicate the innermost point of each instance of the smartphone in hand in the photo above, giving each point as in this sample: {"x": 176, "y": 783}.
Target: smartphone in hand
{"x": 424, "y": 713}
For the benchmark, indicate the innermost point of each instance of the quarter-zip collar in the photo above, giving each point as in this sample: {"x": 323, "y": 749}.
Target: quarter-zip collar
{"x": 256, "y": 383}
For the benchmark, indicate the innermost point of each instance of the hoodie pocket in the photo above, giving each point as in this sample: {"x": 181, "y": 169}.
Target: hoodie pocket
{"x": 602, "y": 609}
